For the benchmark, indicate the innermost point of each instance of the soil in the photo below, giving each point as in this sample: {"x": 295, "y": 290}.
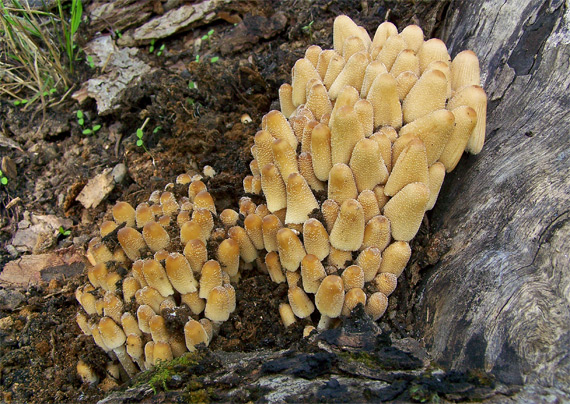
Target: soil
{"x": 40, "y": 342}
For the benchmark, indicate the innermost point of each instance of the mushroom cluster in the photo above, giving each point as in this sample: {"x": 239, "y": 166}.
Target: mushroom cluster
{"x": 352, "y": 161}
{"x": 151, "y": 261}
{"x": 347, "y": 168}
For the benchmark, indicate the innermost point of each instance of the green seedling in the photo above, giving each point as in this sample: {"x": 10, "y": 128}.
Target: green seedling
{"x": 192, "y": 85}
{"x": 21, "y": 102}
{"x": 208, "y": 36}
{"x": 64, "y": 232}
{"x": 214, "y": 59}
{"x": 90, "y": 61}
{"x": 3, "y": 178}
{"x": 308, "y": 29}
{"x": 197, "y": 59}
{"x": 91, "y": 131}
{"x": 151, "y": 48}
{"x": 160, "y": 50}
{"x": 80, "y": 118}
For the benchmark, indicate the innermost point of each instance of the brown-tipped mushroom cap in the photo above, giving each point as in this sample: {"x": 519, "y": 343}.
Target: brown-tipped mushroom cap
{"x": 348, "y": 230}
{"x": 353, "y": 277}
{"x": 316, "y": 239}
{"x": 287, "y": 315}
{"x": 346, "y": 131}
{"x": 194, "y": 334}
{"x": 427, "y": 95}
{"x": 210, "y": 278}
{"x": 411, "y": 166}
{"x": 329, "y": 298}
{"x": 300, "y": 200}
{"x": 291, "y": 250}
{"x": 369, "y": 260}
{"x": 351, "y": 299}
{"x": 367, "y": 165}
{"x": 123, "y": 212}
{"x": 312, "y": 273}
{"x": 180, "y": 273}
{"x": 300, "y": 303}
{"x": 386, "y": 283}
{"x": 383, "y": 96}
{"x": 156, "y": 277}
{"x": 395, "y": 258}
{"x": 247, "y": 250}
{"x": 341, "y": 185}
{"x": 228, "y": 256}
{"x": 218, "y": 304}
{"x": 274, "y": 267}
{"x": 273, "y": 188}
{"x": 131, "y": 241}
{"x": 155, "y": 236}
{"x": 376, "y": 305}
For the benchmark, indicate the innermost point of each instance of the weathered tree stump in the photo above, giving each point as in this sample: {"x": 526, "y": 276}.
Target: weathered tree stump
{"x": 500, "y": 298}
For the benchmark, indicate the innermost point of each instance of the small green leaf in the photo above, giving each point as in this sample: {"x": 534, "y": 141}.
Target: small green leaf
{"x": 79, "y": 114}
{"x": 210, "y": 32}
{"x": 17, "y": 102}
{"x": 204, "y": 37}
{"x": 197, "y": 58}
{"x": 119, "y": 35}
{"x": 1, "y": 173}
{"x": 52, "y": 91}
{"x": 214, "y": 59}
{"x": 87, "y": 131}
{"x": 24, "y": 101}
{"x": 157, "y": 129}
{"x": 139, "y": 133}
{"x": 96, "y": 128}
{"x": 139, "y": 142}
{"x": 4, "y": 180}
{"x": 80, "y": 121}
{"x": 45, "y": 93}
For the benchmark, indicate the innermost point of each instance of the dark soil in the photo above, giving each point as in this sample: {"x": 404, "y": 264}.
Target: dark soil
{"x": 40, "y": 346}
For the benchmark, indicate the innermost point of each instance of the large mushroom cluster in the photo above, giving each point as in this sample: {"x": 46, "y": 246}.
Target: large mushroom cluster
{"x": 347, "y": 168}
{"x": 354, "y": 159}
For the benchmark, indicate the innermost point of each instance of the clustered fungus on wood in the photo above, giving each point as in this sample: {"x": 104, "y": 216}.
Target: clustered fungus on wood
{"x": 373, "y": 124}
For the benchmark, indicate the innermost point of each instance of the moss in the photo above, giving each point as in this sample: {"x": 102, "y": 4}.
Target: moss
{"x": 365, "y": 358}
{"x": 159, "y": 377}
{"x": 199, "y": 396}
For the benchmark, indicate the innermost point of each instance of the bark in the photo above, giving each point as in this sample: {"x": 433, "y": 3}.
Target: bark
{"x": 500, "y": 298}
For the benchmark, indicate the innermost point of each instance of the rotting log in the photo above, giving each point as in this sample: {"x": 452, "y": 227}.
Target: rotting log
{"x": 500, "y": 298}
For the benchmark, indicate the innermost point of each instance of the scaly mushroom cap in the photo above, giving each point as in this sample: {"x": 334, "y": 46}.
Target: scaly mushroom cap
{"x": 158, "y": 329}
{"x": 474, "y": 97}
{"x": 107, "y": 227}
{"x": 383, "y": 96}
{"x": 286, "y": 99}
{"x": 436, "y": 176}
{"x": 383, "y": 32}
{"x": 291, "y": 250}
{"x": 346, "y": 131}
{"x": 218, "y": 304}
{"x": 123, "y": 212}
{"x": 111, "y": 334}
{"x": 274, "y": 267}
{"x": 273, "y": 188}
{"x": 351, "y": 299}
{"x": 342, "y": 185}
{"x": 300, "y": 200}
{"x": 194, "y": 334}
{"x": 368, "y": 169}
{"x": 194, "y": 302}
{"x": 376, "y": 305}
{"x": 112, "y": 306}
{"x": 155, "y": 236}
{"x": 304, "y": 71}
{"x": 411, "y": 166}
{"x": 406, "y": 61}
{"x": 204, "y": 200}
{"x": 316, "y": 239}
{"x": 318, "y": 101}
{"x": 156, "y": 277}
{"x": 369, "y": 260}
{"x": 390, "y": 50}
{"x": 386, "y": 283}
{"x": 414, "y": 37}
{"x": 374, "y": 69}
{"x": 427, "y": 95}
{"x": 210, "y": 278}
{"x": 367, "y": 199}
{"x": 432, "y": 50}
{"x": 300, "y": 303}
{"x": 162, "y": 352}
{"x": 287, "y": 315}
{"x": 180, "y": 273}
{"x": 228, "y": 256}
{"x": 278, "y": 126}
{"x": 352, "y": 74}
{"x": 252, "y": 225}
{"x": 131, "y": 241}
{"x": 344, "y": 28}
{"x": 247, "y": 250}
{"x": 196, "y": 253}
{"x": 321, "y": 151}
{"x": 130, "y": 324}
{"x": 395, "y": 258}
{"x": 308, "y": 173}
{"x": 329, "y": 298}
{"x": 406, "y": 210}
{"x": 465, "y": 121}
{"x": 353, "y": 277}
{"x": 365, "y": 112}
{"x": 312, "y": 273}
{"x": 348, "y": 230}
{"x": 465, "y": 70}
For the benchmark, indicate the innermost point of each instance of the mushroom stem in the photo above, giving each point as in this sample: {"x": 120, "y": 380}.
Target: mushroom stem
{"x": 125, "y": 360}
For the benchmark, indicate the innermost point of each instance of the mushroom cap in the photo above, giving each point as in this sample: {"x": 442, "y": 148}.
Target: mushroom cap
{"x": 406, "y": 210}
{"x": 348, "y": 230}
{"x": 300, "y": 303}
{"x": 329, "y": 298}
{"x": 155, "y": 236}
{"x": 300, "y": 200}
{"x": 291, "y": 250}
{"x": 218, "y": 304}
{"x": 111, "y": 334}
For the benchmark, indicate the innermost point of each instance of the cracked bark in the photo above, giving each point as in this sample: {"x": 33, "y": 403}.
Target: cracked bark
{"x": 500, "y": 297}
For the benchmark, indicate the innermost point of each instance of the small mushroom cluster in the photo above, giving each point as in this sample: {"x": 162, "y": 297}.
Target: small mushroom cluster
{"x": 352, "y": 161}
{"x": 154, "y": 260}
